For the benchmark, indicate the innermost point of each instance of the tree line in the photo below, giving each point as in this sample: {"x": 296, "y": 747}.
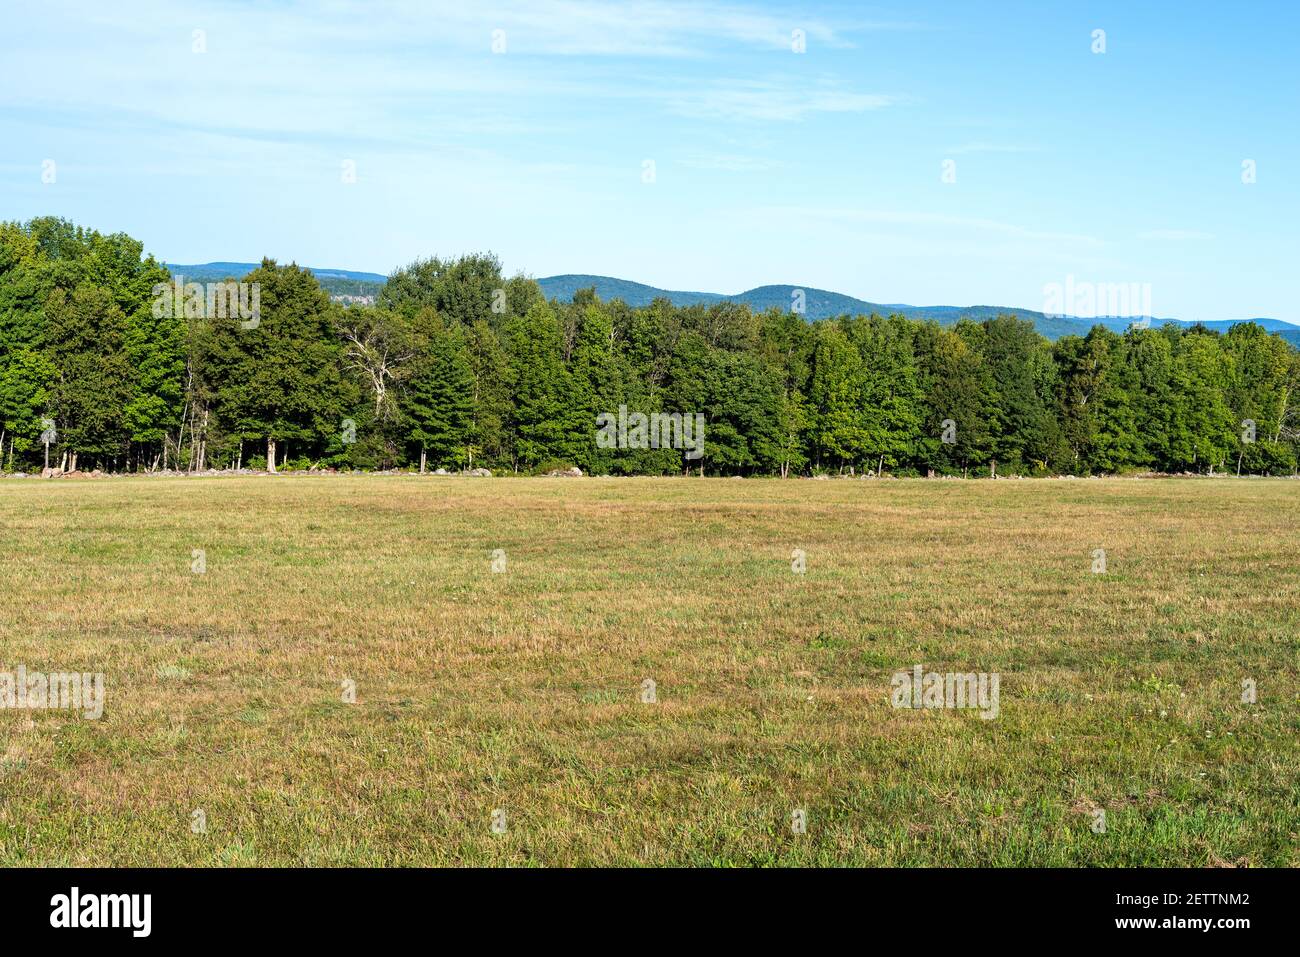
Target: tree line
{"x": 457, "y": 366}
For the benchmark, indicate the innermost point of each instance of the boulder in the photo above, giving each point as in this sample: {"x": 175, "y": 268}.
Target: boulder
{"x": 480, "y": 472}
{"x": 574, "y": 472}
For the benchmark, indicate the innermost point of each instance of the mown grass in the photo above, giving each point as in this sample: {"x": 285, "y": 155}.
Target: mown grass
{"x": 520, "y": 690}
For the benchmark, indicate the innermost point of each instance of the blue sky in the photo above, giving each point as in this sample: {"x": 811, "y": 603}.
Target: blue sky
{"x": 822, "y": 168}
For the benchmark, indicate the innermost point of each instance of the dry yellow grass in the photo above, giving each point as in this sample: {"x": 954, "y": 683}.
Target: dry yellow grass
{"x": 520, "y": 690}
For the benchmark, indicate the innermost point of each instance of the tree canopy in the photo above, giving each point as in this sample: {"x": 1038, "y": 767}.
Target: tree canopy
{"x": 458, "y": 365}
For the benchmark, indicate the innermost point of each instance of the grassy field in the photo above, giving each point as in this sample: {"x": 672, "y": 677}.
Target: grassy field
{"x": 520, "y": 690}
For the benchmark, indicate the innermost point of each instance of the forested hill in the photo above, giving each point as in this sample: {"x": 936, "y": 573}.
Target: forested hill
{"x": 336, "y": 282}
{"x": 822, "y": 304}
{"x": 213, "y": 272}
{"x": 456, "y": 365}
{"x": 818, "y": 303}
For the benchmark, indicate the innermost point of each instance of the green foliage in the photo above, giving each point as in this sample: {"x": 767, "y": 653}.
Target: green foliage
{"x": 541, "y": 388}
{"x": 438, "y": 406}
{"x": 459, "y": 366}
{"x": 280, "y": 381}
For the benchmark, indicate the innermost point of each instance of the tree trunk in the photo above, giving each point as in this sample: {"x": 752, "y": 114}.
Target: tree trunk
{"x": 423, "y": 459}
{"x": 270, "y": 455}
{"x": 203, "y": 446}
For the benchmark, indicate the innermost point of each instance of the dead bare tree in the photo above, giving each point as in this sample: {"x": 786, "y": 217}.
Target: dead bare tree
{"x": 378, "y": 347}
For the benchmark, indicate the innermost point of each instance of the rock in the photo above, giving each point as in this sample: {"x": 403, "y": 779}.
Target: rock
{"x": 51, "y": 472}
{"x": 19, "y": 475}
{"x": 574, "y": 472}
{"x": 440, "y": 472}
{"x": 821, "y": 477}
{"x": 96, "y": 474}
{"x": 479, "y": 472}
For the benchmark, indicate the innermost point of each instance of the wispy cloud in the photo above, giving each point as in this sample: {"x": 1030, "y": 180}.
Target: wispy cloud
{"x": 728, "y": 162}
{"x": 262, "y": 66}
{"x": 592, "y": 28}
{"x": 990, "y": 148}
{"x": 772, "y": 100}
{"x": 1175, "y": 235}
{"x": 908, "y": 218}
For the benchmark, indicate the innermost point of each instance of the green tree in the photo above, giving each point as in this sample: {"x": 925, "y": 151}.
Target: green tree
{"x": 835, "y": 393}
{"x": 438, "y": 398}
{"x": 540, "y": 386}
{"x": 281, "y": 381}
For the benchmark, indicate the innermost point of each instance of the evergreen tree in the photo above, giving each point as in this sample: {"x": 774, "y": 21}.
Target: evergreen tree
{"x": 540, "y": 386}
{"x": 281, "y": 381}
{"x": 438, "y": 399}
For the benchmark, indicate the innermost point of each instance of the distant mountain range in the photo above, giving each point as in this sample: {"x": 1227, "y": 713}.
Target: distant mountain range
{"x": 821, "y": 303}
{"x": 337, "y": 282}
{"x": 818, "y": 303}
{"x": 210, "y": 272}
